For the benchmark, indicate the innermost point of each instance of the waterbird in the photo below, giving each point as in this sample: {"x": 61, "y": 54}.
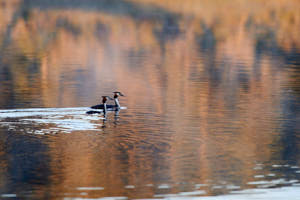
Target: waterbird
{"x": 105, "y": 106}
{"x": 102, "y": 106}
{"x": 116, "y": 95}
{"x": 109, "y": 106}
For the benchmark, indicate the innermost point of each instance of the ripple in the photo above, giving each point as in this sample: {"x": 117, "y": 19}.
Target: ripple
{"x": 129, "y": 187}
{"x": 90, "y": 188}
{"x": 8, "y": 195}
{"x": 164, "y": 186}
{"x": 50, "y": 120}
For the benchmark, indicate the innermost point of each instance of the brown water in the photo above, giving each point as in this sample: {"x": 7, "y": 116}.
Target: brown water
{"x": 212, "y": 97}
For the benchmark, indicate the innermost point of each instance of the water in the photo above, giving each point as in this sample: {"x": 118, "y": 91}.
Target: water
{"x": 211, "y": 111}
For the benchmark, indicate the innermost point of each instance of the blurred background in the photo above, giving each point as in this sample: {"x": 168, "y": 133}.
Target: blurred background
{"x": 212, "y": 94}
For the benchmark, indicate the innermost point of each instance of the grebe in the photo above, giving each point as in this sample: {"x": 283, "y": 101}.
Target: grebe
{"x": 102, "y": 106}
{"x": 116, "y": 95}
{"x": 117, "y": 104}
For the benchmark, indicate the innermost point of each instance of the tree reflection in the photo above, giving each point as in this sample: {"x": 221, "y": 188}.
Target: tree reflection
{"x": 210, "y": 90}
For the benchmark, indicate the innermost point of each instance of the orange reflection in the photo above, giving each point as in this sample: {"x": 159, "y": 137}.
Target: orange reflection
{"x": 205, "y": 72}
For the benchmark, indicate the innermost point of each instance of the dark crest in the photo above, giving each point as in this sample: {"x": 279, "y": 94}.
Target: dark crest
{"x": 118, "y": 93}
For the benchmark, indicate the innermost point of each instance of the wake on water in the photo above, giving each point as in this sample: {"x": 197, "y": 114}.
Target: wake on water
{"x": 51, "y": 120}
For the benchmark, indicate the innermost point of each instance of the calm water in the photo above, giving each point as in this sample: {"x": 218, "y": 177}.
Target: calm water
{"x": 212, "y": 99}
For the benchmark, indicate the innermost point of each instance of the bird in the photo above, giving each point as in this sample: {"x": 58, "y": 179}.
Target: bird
{"x": 102, "y": 106}
{"x": 116, "y": 95}
{"x": 109, "y": 106}
{"x": 105, "y": 106}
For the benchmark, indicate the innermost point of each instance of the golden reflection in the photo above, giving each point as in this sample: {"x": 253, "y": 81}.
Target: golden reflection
{"x": 189, "y": 63}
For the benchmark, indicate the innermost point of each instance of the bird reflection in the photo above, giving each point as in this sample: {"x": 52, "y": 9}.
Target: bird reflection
{"x": 104, "y": 122}
{"x": 104, "y": 108}
{"x": 116, "y": 116}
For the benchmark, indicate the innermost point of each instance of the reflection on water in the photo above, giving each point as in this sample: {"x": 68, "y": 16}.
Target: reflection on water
{"x": 212, "y": 98}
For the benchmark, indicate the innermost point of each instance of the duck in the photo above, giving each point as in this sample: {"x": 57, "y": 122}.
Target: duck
{"x": 109, "y": 106}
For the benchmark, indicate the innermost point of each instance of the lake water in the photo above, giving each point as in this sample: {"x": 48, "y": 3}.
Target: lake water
{"x": 211, "y": 107}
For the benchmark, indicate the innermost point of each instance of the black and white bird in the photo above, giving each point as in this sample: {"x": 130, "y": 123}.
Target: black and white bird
{"x": 105, "y": 107}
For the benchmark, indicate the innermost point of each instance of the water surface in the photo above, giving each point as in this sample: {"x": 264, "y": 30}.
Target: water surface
{"x": 212, "y": 99}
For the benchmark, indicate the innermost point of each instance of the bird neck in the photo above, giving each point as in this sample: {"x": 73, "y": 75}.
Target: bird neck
{"x": 104, "y": 108}
{"x": 117, "y": 102}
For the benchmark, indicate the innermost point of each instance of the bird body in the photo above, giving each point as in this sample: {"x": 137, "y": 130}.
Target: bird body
{"x": 107, "y": 107}
{"x": 101, "y": 106}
